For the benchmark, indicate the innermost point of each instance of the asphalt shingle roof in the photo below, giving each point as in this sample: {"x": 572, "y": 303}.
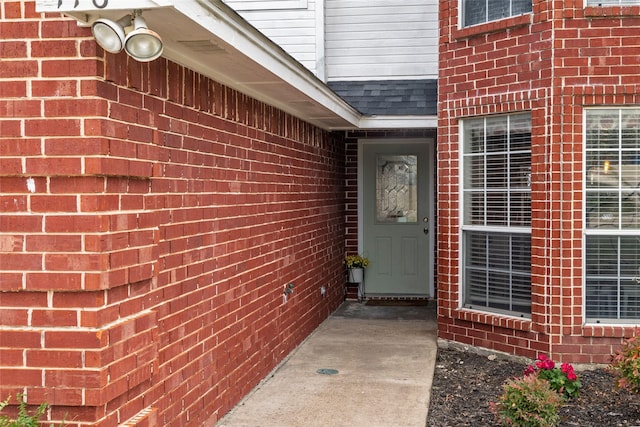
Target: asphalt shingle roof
{"x": 390, "y": 97}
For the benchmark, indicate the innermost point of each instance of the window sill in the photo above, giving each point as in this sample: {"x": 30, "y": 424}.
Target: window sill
{"x": 493, "y": 26}
{"x": 495, "y": 319}
{"x": 617, "y": 330}
{"x": 611, "y": 11}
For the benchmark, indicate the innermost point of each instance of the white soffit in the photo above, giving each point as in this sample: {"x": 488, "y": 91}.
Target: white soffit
{"x": 397, "y": 122}
{"x": 210, "y": 38}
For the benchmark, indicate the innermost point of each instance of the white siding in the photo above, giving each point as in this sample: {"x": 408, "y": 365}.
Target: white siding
{"x": 266, "y": 4}
{"x": 295, "y": 25}
{"x": 381, "y": 39}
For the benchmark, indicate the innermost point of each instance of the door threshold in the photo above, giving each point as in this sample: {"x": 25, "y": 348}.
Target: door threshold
{"x": 397, "y": 301}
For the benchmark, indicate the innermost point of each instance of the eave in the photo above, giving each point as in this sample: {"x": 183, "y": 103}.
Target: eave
{"x": 209, "y": 37}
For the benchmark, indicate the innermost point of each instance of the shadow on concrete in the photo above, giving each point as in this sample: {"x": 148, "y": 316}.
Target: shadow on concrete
{"x": 357, "y": 310}
{"x": 364, "y": 366}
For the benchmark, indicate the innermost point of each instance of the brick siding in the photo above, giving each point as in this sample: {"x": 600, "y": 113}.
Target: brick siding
{"x": 149, "y": 220}
{"x": 553, "y": 63}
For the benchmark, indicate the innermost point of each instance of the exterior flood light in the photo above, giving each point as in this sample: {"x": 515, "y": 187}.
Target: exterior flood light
{"x": 109, "y": 34}
{"x": 141, "y": 43}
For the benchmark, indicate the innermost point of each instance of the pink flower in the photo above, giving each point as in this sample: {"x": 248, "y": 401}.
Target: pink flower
{"x": 566, "y": 368}
{"x": 544, "y": 363}
{"x": 571, "y": 376}
{"x": 530, "y": 370}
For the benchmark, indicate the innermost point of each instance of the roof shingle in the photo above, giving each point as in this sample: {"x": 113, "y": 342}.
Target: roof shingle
{"x": 390, "y": 97}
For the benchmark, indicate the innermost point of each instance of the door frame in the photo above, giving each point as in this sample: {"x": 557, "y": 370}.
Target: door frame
{"x": 431, "y": 194}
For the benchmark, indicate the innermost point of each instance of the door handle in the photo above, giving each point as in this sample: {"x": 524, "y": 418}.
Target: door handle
{"x": 425, "y": 230}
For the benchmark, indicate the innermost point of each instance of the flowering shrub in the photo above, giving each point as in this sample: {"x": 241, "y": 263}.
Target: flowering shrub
{"x": 356, "y": 261}
{"x": 528, "y": 401}
{"x": 563, "y": 380}
{"x": 625, "y": 365}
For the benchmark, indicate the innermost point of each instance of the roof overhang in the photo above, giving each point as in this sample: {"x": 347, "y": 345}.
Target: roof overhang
{"x": 209, "y": 37}
{"x": 397, "y": 122}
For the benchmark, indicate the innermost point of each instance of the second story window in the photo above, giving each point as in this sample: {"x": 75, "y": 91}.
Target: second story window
{"x": 480, "y": 11}
{"x": 612, "y": 2}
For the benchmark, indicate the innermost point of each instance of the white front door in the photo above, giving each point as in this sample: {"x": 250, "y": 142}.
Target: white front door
{"x": 397, "y": 223}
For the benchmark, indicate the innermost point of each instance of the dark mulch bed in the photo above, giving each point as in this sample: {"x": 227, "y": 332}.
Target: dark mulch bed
{"x": 465, "y": 383}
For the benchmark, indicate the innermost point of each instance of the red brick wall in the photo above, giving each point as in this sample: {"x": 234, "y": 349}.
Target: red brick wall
{"x": 149, "y": 221}
{"x": 551, "y": 63}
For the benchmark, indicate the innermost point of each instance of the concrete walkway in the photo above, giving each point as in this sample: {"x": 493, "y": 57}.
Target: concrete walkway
{"x": 384, "y": 357}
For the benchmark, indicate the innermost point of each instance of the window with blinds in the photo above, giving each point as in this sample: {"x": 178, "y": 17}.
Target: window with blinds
{"x": 611, "y": 2}
{"x": 496, "y": 230}
{"x": 480, "y": 11}
{"x": 612, "y": 215}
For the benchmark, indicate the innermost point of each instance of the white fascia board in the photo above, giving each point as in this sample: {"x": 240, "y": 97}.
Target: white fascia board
{"x": 223, "y": 22}
{"x": 397, "y": 122}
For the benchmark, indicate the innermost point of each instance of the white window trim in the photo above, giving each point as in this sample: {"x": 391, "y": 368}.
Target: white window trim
{"x": 595, "y": 232}
{"x": 461, "y": 8}
{"x": 462, "y": 228}
{"x": 600, "y": 3}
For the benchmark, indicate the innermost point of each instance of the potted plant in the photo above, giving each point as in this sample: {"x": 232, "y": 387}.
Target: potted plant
{"x": 355, "y": 267}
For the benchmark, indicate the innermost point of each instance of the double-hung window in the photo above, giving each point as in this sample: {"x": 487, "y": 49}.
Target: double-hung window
{"x": 611, "y": 2}
{"x": 480, "y": 11}
{"x": 496, "y": 210}
{"x": 612, "y": 214}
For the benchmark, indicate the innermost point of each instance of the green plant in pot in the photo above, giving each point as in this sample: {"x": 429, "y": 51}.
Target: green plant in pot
{"x": 355, "y": 266}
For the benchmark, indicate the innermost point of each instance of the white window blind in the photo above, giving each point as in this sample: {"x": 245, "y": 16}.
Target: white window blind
{"x": 611, "y": 2}
{"x": 480, "y": 11}
{"x": 612, "y": 215}
{"x": 496, "y": 178}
